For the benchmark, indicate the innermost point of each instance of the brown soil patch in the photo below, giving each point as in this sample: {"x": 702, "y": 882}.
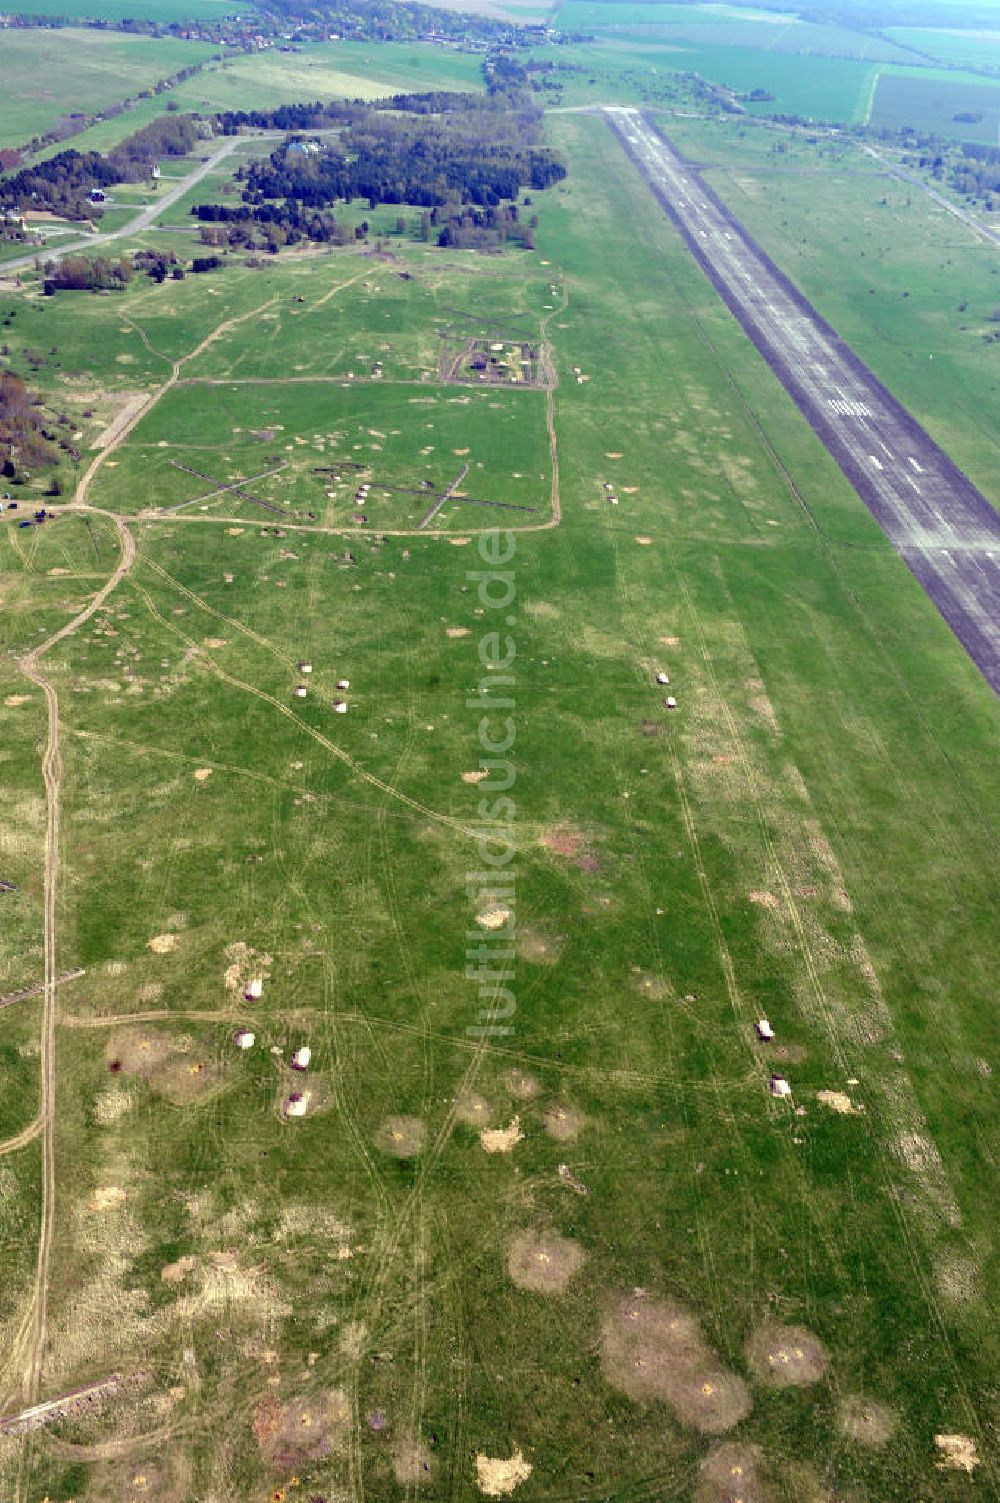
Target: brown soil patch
{"x": 544, "y": 1264}
{"x": 536, "y": 949}
{"x": 163, "y": 944}
{"x": 109, "y": 1198}
{"x": 502, "y": 1139}
{"x": 265, "y": 434}
{"x": 456, "y": 631}
{"x": 473, "y": 1110}
{"x": 175, "y": 1273}
{"x": 862, "y": 1420}
{"x": 652, "y": 1349}
{"x": 215, "y": 642}
{"x": 564, "y": 1123}
{"x": 839, "y": 1102}
{"x": 732, "y": 1473}
{"x": 412, "y": 1462}
{"x": 562, "y": 842}
{"x": 497, "y": 1477}
{"x": 137, "y": 1052}
{"x": 522, "y": 1086}
{"x": 763, "y": 899}
{"x": 302, "y": 1430}
{"x": 245, "y": 965}
{"x": 13, "y": 700}
{"x": 787, "y": 1356}
{"x": 958, "y": 1453}
{"x": 493, "y": 918}
{"x": 201, "y": 774}
{"x": 474, "y": 777}
{"x": 403, "y": 1137}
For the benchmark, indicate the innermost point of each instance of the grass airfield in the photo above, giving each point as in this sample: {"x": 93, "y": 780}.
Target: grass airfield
{"x": 669, "y": 1275}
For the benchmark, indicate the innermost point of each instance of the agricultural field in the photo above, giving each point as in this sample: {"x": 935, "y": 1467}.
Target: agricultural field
{"x": 929, "y": 102}
{"x": 104, "y": 66}
{"x": 333, "y": 720}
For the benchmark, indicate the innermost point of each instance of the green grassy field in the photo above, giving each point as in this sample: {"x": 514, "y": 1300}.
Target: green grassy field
{"x": 36, "y": 67}
{"x": 373, "y": 1301}
{"x": 915, "y": 296}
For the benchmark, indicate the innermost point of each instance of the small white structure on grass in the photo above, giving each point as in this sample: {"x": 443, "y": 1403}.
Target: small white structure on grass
{"x": 779, "y": 1086}
{"x": 339, "y": 707}
{"x": 297, "y": 1104}
{"x": 301, "y": 1058}
{"x": 662, "y": 678}
{"x": 305, "y": 667}
{"x": 301, "y": 691}
{"x": 243, "y": 1039}
{"x": 343, "y": 683}
{"x": 670, "y": 702}
{"x": 254, "y": 989}
{"x": 764, "y": 1029}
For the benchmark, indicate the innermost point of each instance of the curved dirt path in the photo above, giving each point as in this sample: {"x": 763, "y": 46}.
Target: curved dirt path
{"x": 51, "y": 774}
{"x": 23, "y": 1138}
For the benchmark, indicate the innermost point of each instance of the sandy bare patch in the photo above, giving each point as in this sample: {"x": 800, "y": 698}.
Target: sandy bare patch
{"x": 476, "y": 776}
{"x": 403, "y": 1137}
{"x": 201, "y": 774}
{"x": 456, "y": 631}
{"x": 957, "y": 1279}
{"x": 613, "y": 454}
{"x": 958, "y": 1453}
{"x": 652, "y": 1349}
{"x": 493, "y": 918}
{"x": 473, "y": 1110}
{"x": 732, "y": 1473}
{"x": 215, "y": 642}
{"x": 521, "y": 1085}
{"x": 536, "y": 948}
{"x": 497, "y": 1477}
{"x": 564, "y": 1123}
{"x": 839, "y": 1102}
{"x": 244, "y": 966}
{"x": 150, "y": 991}
{"x": 653, "y": 987}
{"x": 459, "y": 542}
{"x": 763, "y": 899}
{"x": 163, "y": 944}
{"x": 670, "y": 641}
{"x": 412, "y": 1462}
{"x": 787, "y": 1356}
{"x": 108, "y": 1198}
{"x": 643, "y": 539}
{"x": 502, "y": 1139}
{"x": 544, "y": 1263}
{"x": 176, "y": 1273}
{"x": 864, "y": 1421}
{"x": 302, "y": 1430}
{"x": 111, "y": 1105}
{"x": 13, "y": 700}
{"x": 460, "y": 452}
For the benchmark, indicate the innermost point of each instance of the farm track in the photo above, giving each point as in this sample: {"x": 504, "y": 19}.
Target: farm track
{"x": 943, "y": 529}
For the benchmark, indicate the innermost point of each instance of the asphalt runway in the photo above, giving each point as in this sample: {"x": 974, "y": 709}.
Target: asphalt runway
{"x": 943, "y": 528}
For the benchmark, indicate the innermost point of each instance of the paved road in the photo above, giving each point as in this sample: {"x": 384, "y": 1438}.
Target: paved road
{"x": 944, "y": 529}
{"x": 142, "y": 221}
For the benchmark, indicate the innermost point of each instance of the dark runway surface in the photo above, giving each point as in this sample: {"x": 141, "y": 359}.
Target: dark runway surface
{"x": 942, "y": 526}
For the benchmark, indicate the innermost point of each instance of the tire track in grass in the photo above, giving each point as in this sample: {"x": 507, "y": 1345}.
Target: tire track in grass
{"x": 52, "y": 775}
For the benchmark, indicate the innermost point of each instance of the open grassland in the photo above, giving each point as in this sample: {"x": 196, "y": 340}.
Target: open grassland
{"x": 47, "y": 74}
{"x": 657, "y": 1279}
{"x": 908, "y": 286}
